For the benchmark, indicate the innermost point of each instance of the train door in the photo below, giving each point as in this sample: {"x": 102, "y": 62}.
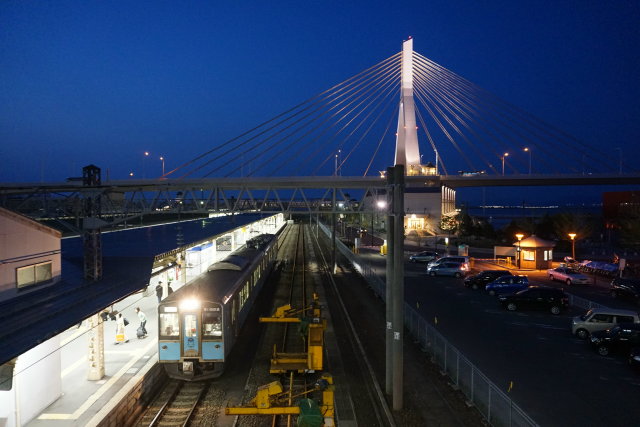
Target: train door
{"x": 190, "y": 335}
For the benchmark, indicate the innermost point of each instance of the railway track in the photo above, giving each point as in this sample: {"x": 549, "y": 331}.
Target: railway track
{"x": 175, "y": 405}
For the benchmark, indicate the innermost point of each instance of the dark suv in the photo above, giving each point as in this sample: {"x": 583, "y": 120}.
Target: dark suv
{"x": 622, "y": 337}
{"x": 536, "y": 297}
{"x": 626, "y": 288}
{"x": 480, "y": 280}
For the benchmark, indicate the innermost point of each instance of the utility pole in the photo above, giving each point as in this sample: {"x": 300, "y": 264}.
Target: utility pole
{"x": 398, "y": 287}
{"x": 391, "y": 249}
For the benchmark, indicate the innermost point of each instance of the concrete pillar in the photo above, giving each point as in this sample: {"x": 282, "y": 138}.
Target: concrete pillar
{"x": 96, "y": 348}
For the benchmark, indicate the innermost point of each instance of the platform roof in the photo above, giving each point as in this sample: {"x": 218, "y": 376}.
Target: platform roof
{"x": 30, "y": 319}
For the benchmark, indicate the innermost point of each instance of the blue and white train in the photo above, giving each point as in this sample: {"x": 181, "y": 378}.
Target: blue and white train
{"x": 198, "y": 323}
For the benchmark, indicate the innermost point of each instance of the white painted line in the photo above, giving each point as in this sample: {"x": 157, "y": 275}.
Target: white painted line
{"x": 73, "y": 366}
{"x": 102, "y": 390}
{"x": 102, "y": 413}
{"x": 73, "y": 336}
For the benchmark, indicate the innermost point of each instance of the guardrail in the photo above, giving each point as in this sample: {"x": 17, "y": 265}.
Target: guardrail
{"x": 494, "y": 405}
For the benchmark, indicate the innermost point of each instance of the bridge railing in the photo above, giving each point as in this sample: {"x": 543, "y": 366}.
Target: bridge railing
{"x": 494, "y": 405}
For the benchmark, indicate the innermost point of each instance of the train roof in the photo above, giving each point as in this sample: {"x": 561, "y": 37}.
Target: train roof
{"x": 224, "y": 274}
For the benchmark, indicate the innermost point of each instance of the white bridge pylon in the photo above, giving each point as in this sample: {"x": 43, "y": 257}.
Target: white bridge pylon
{"x": 407, "y": 149}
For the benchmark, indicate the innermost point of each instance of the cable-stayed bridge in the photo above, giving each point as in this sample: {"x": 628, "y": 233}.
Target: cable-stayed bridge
{"x": 333, "y": 147}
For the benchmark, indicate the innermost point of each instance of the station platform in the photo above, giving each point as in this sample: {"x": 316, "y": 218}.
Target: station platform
{"x": 84, "y": 402}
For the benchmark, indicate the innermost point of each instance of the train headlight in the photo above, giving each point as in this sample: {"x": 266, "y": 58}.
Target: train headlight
{"x": 189, "y": 304}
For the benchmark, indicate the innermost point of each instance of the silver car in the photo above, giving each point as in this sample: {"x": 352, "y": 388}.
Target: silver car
{"x": 455, "y": 269}
{"x": 424, "y": 256}
{"x": 568, "y": 276}
{"x": 599, "y": 319}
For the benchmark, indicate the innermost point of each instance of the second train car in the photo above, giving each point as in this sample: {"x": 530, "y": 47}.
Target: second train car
{"x": 198, "y": 323}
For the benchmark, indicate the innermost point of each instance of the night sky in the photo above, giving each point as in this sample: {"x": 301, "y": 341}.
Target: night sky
{"x": 102, "y": 82}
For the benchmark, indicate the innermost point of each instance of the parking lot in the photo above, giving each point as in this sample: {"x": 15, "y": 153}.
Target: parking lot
{"x": 532, "y": 355}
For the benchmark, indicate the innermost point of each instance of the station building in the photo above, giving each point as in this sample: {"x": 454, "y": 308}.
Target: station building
{"x": 45, "y": 296}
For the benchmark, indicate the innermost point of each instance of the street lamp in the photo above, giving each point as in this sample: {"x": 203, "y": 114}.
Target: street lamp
{"x": 162, "y": 160}
{"x": 573, "y": 244}
{"x": 528, "y": 150}
{"x": 519, "y": 236}
{"x": 144, "y": 172}
{"x": 502, "y": 157}
{"x": 380, "y": 204}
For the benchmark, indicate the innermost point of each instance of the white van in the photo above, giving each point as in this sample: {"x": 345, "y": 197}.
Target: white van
{"x": 599, "y": 319}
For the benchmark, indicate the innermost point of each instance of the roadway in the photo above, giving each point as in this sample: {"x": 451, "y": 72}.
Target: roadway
{"x": 556, "y": 378}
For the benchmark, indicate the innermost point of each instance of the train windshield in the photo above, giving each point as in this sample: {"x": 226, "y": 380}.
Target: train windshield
{"x": 212, "y": 322}
{"x": 169, "y": 325}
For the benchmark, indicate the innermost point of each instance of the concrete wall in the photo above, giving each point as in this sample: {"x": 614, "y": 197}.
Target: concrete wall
{"x": 36, "y": 384}
{"x": 134, "y": 400}
{"x": 25, "y": 242}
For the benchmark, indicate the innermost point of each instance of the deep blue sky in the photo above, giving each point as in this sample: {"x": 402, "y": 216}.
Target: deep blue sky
{"x": 102, "y": 81}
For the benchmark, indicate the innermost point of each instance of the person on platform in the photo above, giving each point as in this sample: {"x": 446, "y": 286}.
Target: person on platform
{"x": 159, "y": 292}
{"x": 143, "y": 321}
{"x": 169, "y": 289}
{"x": 120, "y": 333}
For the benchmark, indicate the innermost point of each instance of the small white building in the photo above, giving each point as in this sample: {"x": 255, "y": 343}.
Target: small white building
{"x": 29, "y": 255}
{"x": 29, "y": 260}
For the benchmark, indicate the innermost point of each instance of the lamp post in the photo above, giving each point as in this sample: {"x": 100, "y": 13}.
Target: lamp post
{"x": 162, "y": 160}
{"x": 528, "y": 150}
{"x": 144, "y": 172}
{"x": 380, "y": 204}
{"x": 519, "y": 236}
{"x": 573, "y": 244}
{"x": 502, "y": 157}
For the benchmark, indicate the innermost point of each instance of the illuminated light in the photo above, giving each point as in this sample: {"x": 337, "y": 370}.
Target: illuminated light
{"x": 130, "y": 173}
{"x": 572, "y": 235}
{"x": 381, "y": 204}
{"x": 413, "y": 216}
{"x": 189, "y": 304}
{"x": 146, "y": 153}
{"x": 170, "y": 309}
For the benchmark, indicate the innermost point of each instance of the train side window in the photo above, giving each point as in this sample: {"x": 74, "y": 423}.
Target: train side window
{"x": 212, "y": 322}
{"x": 169, "y": 326}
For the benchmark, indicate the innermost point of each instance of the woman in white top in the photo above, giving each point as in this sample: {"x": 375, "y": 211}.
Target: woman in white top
{"x": 120, "y": 335}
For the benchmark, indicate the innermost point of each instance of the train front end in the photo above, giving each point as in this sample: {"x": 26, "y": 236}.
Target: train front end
{"x": 191, "y": 342}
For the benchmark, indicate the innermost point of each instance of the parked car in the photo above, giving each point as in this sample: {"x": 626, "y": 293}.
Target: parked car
{"x": 424, "y": 256}
{"x": 455, "y": 269}
{"x": 626, "y": 288}
{"x": 481, "y": 279}
{"x": 536, "y": 297}
{"x": 507, "y": 284}
{"x": 568, "y": 276}
{"x": 620, "y": 338}
{"x": 599, "y": 319}
{"x": 461, "y": 259}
